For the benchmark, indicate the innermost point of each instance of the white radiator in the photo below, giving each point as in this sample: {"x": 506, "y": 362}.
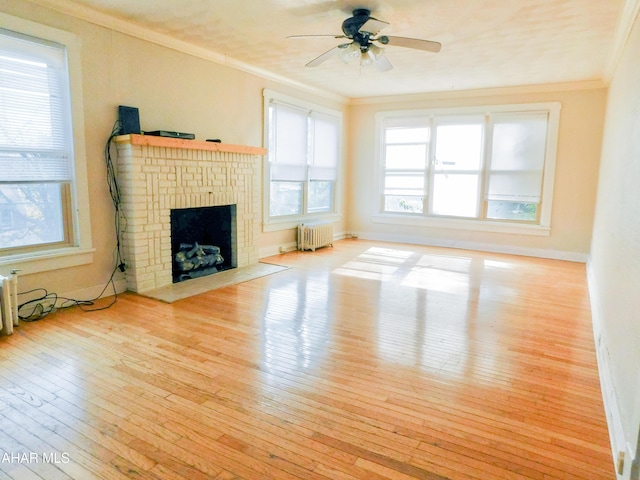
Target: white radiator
{"x": 8, "y": 303}
{"x": 314, "y": 235}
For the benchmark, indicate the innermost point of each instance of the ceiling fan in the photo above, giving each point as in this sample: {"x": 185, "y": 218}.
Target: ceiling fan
{"x": 362, "y": 29}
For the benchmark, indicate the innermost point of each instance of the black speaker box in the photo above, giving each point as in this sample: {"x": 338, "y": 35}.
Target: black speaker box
{"x": 129, "y": 120}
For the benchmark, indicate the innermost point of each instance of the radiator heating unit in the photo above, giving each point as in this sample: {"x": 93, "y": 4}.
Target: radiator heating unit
{"x": 314, "y": 235}
{"x": 8, "y": 303}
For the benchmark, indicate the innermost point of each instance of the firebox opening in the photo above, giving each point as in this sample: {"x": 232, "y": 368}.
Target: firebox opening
{"x": 203, "y": 241}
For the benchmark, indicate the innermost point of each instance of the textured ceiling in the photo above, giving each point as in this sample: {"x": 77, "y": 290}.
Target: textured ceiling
{"x": 485, "y": 43}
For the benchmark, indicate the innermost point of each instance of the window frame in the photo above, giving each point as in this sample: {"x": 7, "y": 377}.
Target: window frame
{"x": 413, "y": 117}
{"x": 79, "y": 250}
{"x": 283, "y": 222}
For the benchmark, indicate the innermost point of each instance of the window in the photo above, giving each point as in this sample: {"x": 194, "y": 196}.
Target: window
{"x": 40, "y": 166}
{"x": 303, "y": 160}
{"x": 516, "y": 166}
{"x": 35, "y": 145}
{"x": 475, "y": 168}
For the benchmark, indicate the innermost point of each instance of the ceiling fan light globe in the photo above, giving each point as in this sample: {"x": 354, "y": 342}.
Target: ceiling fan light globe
{"x": 375, "y": 51}
{"x": 366, "y": 59}
{"x": 349, "y": 53}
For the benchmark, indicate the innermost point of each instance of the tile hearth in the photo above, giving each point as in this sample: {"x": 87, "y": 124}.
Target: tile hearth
{"x": 179, "y": 291}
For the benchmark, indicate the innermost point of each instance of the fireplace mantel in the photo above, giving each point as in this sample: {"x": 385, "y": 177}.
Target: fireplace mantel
{"x": 155, "y": 141}
{"x": 159, "y": 174}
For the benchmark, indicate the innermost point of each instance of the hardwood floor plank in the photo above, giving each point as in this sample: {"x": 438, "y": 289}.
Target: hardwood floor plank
{"x": 21, "y": 472}
{"x": 169, "y": 466}
{"x": 389, "y": 464}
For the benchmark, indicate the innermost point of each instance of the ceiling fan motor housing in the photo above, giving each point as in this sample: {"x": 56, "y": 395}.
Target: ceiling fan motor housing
{"x": 351, "y": 28}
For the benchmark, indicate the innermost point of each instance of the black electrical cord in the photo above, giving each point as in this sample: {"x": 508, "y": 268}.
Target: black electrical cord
{"x": 114, "y": 192}
{"x": 37, "y": 306}
{"x": 45, "y": 304}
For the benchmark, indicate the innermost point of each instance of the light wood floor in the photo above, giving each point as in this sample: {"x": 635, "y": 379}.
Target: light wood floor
{"x": 363, "y": 361}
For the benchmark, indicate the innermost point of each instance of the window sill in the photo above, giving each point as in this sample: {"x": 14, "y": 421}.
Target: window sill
{"x": 289, "y": 222}
{"x": 48, "y": 260}
{"x": 460, "y": 224}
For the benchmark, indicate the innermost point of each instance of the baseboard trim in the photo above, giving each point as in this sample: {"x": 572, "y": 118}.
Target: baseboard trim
{"x": 477, "y": 246}
{"x": 97, "y": 291}
{"x": 271, "y": 250}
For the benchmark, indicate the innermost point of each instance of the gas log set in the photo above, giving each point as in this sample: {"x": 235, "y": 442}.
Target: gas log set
{"x": 195, "y": 260}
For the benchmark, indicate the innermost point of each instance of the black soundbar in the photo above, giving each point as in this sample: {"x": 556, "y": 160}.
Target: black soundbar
{"x": 166, "y": 133}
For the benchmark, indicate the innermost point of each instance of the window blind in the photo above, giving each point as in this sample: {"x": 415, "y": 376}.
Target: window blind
{"x": 35, "y": 140}
{"x": 517, "y": 157}
{"x": 325, "y": 150}
{"x": 303, "y": 145}
{"x": 288, "y": 143}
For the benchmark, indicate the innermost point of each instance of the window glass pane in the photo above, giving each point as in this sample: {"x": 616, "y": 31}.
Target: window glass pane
{"x": 459, "y": 147}
{"x": 320, "y": 196}
{"x": 406, "y": 157}
{"x": 403, "y": 203}
{"x": 32, "y": 214}
{"x": 455, "y": 195}
{"x": 407, "y": 135}
{"x": 517, "y": 157}
{"x": 286, "y": 198}
{"x": 512, "y": 210}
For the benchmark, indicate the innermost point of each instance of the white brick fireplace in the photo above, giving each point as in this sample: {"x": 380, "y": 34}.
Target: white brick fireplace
{"x": 156, "y": 175}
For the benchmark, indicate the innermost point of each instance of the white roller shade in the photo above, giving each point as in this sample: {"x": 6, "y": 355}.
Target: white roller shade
{"x": 517, "y": 157}
{"x": 35, "y": 139}
{"x": 288, "y": 143}
{"x": 325, "y": 147}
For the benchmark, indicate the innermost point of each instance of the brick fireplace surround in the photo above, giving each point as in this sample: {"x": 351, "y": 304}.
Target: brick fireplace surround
{"x": 157, "y": 174}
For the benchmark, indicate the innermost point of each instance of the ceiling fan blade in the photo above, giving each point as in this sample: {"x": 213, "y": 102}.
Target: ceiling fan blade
{"x": 382, "y": 64}
{"x": 324, "y": 57}
{"x": 316, "y": 36}
{"x": 373, "y": 26}
{"x": 426, "y": 45}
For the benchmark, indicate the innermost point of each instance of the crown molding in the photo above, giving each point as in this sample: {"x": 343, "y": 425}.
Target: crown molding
{"x": 82, "y": 12}
{"x": 627, "y": 18}
{"x": 483, "y": 92}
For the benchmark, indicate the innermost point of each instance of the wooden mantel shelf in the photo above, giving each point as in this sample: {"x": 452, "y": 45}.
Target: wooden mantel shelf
{"x": 154, "y": 141}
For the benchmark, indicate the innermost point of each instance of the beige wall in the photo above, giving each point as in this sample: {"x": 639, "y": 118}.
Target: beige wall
{"x": 581, "y": 121}
{"x": 173, "y": 91}
{"x": 615, "y": 254}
